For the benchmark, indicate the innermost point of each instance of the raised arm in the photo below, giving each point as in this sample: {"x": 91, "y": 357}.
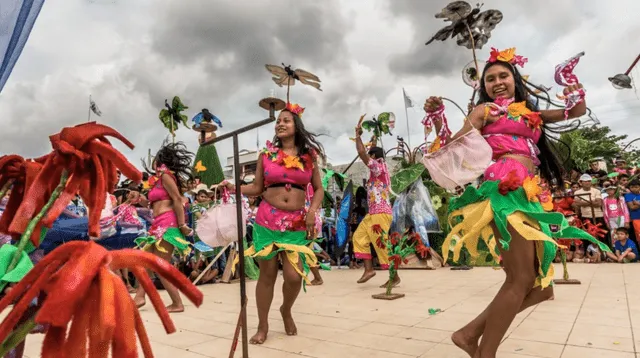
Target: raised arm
{"x": 360, "y": 148}
{"x": 476, "y": 119}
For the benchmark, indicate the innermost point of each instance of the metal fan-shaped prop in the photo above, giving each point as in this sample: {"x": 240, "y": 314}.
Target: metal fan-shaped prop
{"x": 471, "y": 28}
{"x": 172, "y": 116}
{"x": 285, "y": 76}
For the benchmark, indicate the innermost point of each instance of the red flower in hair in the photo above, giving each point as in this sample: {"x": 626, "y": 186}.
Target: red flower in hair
{"x": 295, "y": 108}
{"x": 509, "y": 183}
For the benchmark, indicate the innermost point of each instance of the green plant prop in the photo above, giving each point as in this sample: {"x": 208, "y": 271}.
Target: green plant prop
{"x": 398, "y": 248}
{"x": 172, "y": 116}
{"x": 381, "y": 125}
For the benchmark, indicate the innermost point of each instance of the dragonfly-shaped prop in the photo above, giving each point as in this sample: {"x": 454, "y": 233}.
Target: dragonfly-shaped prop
{"x": 172, "y": 116}
{"x": 284, "y": 75}
{"x": 203, "y": 122}
{"x": 471, "y": 28}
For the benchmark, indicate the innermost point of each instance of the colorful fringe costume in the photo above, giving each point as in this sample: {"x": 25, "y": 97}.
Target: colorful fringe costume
{"x": 379, "y": 215}
{"x": 510, "y": 196}
{"x": 278, "y": 230}
{"x": 165, "y": 225}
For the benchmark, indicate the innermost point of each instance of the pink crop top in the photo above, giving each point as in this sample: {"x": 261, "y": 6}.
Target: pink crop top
{"x": 158, "y": 192}
{"x": 280, "y": 168}
{"x": 513, "y": 135}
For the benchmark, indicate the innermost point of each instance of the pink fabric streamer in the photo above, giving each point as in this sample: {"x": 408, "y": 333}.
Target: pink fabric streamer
{"x": 430, "y": 119}
{"x": 564, "y": 76}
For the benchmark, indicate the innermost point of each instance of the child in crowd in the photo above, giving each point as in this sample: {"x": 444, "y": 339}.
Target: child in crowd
{"x": 593, "y": 254}
{"x": 623, "y": 182}
{"x": 626, "y": 250}
{"x": 616, "y": 213}
{"x": 633, "y": 203}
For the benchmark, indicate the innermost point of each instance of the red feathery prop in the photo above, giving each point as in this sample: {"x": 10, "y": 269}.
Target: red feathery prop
{"x": 594, "y": 230}
{"x": 82, "y": 294}
{"x": 21, "y": 173}
{"x": 91, "y": 163}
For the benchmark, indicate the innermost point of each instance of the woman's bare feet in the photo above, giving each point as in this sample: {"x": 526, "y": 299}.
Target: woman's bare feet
{"x": 260, "y": 336}
{"x": 139, "y": 302}
{"x": 175, "y": 308}
{"x": 317, "y": 282}
{"x": 467, "y": 344}
{"x": 289, "y": 325}
{"x": 396, "y": 282}
{"x": 366, "y": 276}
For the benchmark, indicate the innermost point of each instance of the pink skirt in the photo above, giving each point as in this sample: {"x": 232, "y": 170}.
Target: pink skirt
{"x": 501, "y": 168}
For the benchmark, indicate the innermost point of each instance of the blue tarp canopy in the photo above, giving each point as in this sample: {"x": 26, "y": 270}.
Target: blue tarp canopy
{"x": 16, "y": 21}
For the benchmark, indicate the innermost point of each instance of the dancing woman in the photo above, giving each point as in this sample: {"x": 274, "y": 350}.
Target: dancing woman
{"x": 283, "y": 225}
{"x": 505, "y": 211}
{"x": 171, "y": 169}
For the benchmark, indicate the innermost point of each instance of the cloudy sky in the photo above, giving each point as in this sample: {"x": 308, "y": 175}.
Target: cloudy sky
{"x": 131, "y": 55}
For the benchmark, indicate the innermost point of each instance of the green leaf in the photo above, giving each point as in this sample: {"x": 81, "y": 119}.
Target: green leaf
{"x": 177, "y": 104}
{"x": 405, "y": 177}
{"x": 184, "y": 120}
{"x": 369, "y": 125}
{"x": 340, "y": 178}
{"x": 165, "y": 118}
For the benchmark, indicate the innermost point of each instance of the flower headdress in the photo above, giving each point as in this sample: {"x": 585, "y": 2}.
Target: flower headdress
{"x": 508, "y": 55}
{"x": 295, "y": 109}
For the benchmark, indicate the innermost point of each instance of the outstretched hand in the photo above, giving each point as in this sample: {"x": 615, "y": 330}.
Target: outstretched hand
{"x": 359, "y": 126}
{"x": 432, "y": 103}
{"x": 572, "y": 88}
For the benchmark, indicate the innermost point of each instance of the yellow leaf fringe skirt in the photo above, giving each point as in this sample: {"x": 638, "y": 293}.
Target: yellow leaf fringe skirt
{"x": 471, "y": 214}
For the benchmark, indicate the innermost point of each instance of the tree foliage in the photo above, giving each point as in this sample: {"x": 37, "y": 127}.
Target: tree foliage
{"x": 596, "y": 141}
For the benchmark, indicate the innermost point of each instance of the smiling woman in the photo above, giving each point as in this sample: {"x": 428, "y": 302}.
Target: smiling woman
{"x": 284, "y": 225}
{"x": 508, "y": 211}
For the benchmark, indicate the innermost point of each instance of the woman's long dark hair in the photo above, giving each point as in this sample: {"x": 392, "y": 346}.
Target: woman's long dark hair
{"x": 177, "y": 158}
{"x": 305, "y": 141}
{"x": 551, "y": 163}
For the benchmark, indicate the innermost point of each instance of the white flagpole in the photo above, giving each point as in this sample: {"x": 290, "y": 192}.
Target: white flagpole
{"x": 89, "y": 115}
{"x": 406, "y": 114}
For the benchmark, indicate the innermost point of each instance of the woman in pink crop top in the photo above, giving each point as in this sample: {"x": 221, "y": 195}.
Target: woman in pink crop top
{"x": 505, "y": 211}
{"x": 284, "y": 228}
{"x": 171, "y": 168}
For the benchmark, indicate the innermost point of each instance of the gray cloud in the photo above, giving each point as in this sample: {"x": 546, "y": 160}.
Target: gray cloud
{"x": 131, "y": 56}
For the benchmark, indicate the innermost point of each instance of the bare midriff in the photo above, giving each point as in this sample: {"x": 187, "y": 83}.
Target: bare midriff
{"x": 523, "y": 159}
{"x": 283, "y": 199}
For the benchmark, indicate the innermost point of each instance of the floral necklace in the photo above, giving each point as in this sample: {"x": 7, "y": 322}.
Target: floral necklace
{"x": 278, "y": 156}
{"x": 514, "y": 111}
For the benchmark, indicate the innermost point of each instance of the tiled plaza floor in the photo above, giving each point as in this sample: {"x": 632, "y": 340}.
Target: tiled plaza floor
{"x": 599, "y": 318}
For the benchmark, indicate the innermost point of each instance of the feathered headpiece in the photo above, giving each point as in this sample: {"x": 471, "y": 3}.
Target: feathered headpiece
{"x": 508, "y": 55}
{"x": 294, "y": 108}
